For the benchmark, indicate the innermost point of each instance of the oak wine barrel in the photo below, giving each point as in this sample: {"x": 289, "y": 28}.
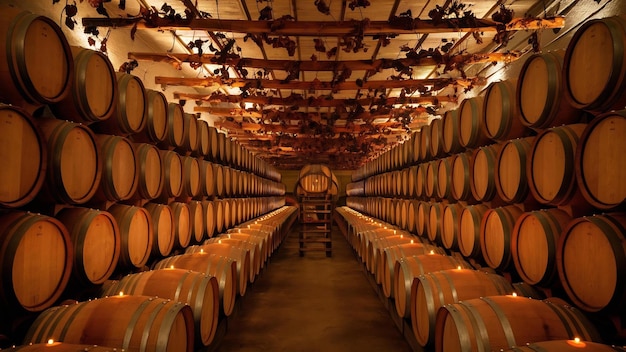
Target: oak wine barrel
{"x": 172, "y": 174}
{"x": 37, "y": 254}
{"x": 469, "y": 230}
{"x": 36, "y": 62}
{"x": 199, "y": 291}
{"x": 437, "y": 289}
{"x": 461, "y": 176}
{"x": 501, "y": 112}
{"x": 494, "y": 323}
{"x": 74, "y": 167}
{"x": 591, "y": 260}
{"x": 533, "y": 245}
{"x": 92, "y": 91}
{"x": 157, "y": 127}
{"x": 129, "y": 116}
{"x": 96, "y": 239}
{"x": 471, "y": 124}
{"x": 595, "y": 65}
{"x": 567, "y": 346}
{"x": 132, "y": 323}
{"x": 483, "y": 172}
{"x": 222, "y": 268}
{"x": 496, "y": 230}
{"x": 136, "y": 235}
{"x": 541, "y": 92}
{"x": 24, "y": 157}
{"x": 450, "y": 132}
{"x": 150, "y": 178}
{"x": 510, "y": 175}
{"x": 245, "y": 270}
{"x": 119, "y": 180}
{"x": 175, "y": 137}
{"x": 600, "y": 162}
{"x": 163, "y": 228}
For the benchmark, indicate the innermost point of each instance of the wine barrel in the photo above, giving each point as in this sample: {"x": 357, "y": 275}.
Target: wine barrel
{"x": 566, "y": 346}
{"x": 199, "y": 291}
{"x": 450, "y": 132}
{"x": 510, "y": 175}
{"x": 315, "y": 179}
{"x": 157, "y": 127}
{"x": 425, "y": 143}
{"x": 224, "y": 269}
{"x": 435, "y": 217}
{"x": 182, "y": 224}
{"x": 96, "y": 239}
{"x": 204, "y": 144}
{"x": 24, "y": 156}
{"x": 483, "y": 172}
{"x": 434, "y": 290}
{"x": 150, "y": 178}
{"x": 461, "y": 176}
{"x": 595, "y": 65}
{"x": 136, "y": 235}
{"x": 409, "y": 268}
{"x": 214, "y": 155}
{"x": 132, "y": 323}
{"x": 495, "y": 323}
{"x": 436, "y": 138}
{"x": 129, "y": 116}
{"x": 471, "y": 124}
{"x": 172, "y": 174}
{"x": 192, "y": 178}
{"x": 239, "y": 254}
{"x": 469, "y": 230}
{"x": 551, "y": 165}
{"x": 444, "y": 178}
{"x": 197, "y": 217}
{"x": 36, "y": 63}
{"x": 541, "y": 92}
{"x": 253, "y": 244}
{"x": 501, "y": 112}
{"x": 450, "y": 225}
{"x": 219, "y": 215}
{"x": 92, "y": 91}
{"x": 190, "y": 134}
{"x": 415, "y": 146}
{"x": 119, "y": 179}
{"x": 533, "y": 245}
{"x": 496, "y": 230}
{"x": 394, "y": 253}
{"x": 175, "y": 138}
{"x": 431, "y": 184}
{"x": 591, "y": 259}
{"x": 209, "y": 217}
{"x": 221, "y": 147}
{"x": 73, "y": 167}
{"x": 163, "y": 224}
{"x": 421, "y": 223}
{"x": 37, "y": 254}
{"x": 600, "y": 163}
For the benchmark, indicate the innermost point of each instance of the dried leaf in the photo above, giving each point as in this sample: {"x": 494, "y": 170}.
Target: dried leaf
{"x": 71, "y": 10}
{"x": 69, "y": 22}
{"x": 133, "y": 31}
{"x": 322, "y": 7}
{"x": 91, "y": 41}
{"x": 319, "y": 45}
{"x": 101, "y": 10}
{"x": 265, "y": 14}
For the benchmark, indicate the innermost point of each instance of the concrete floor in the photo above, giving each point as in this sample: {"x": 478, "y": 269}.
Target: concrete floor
{"x": 312, "y": 303}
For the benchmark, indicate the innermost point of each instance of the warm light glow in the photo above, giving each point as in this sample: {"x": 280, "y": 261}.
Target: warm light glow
{"x": 458, "y": 267}
{"x": 201, "y": 250}
{"x": 411, "y": 241}
{"x": 577, "y": 342}
{"x": 514, "y": 294}
{"x": 432, "y": 252}
{"x": 50, "y": 341}
{"x": 121, "y": 293}
{"x": 401, "y": 236}
{"x": 171, "y": 266}
{"x": 228, "y": 235}
{"x": 576, "y": 339}
{"x": 219, "y": 241}
{"x": 394, "y": 232}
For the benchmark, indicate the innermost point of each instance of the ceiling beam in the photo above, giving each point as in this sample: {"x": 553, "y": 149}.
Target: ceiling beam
{"x": 321, "y": 101}
{"x": 325, "y": 65}
{"x": 316, "y": 84}
{"x": 300, "y": 116}
{"x": 324, "y": 28}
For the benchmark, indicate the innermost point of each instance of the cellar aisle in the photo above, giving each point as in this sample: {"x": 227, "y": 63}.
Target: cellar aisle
{"x": 312, "y": 303}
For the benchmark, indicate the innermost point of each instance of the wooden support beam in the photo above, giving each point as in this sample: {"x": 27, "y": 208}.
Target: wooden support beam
{"x": 275, "y": 115}
{"x": 324, "y": 28}
{"x": 391, "y": 127}
{"x": 315, "y": 84}
{"x": 336, "y": 66}
{"x": 321, "y": 101}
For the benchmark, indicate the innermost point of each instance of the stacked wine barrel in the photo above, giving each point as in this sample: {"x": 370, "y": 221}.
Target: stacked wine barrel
{"x": 103, "y": 177}
{"x": 525, "y": 179}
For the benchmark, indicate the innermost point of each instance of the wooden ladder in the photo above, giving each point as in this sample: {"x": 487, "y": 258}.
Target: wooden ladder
{"x": 316, "y": 223}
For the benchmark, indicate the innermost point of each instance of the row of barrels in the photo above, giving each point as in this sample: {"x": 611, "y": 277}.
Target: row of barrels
{"x": 55, "y": 161}
{"x": 546, "y": 248}
{"x": 80, "y": 247}
{"x": 553, "y": 88}
{"x": 177, "y": 306}
{"x": 452, "y": 306}
{"x": 577, "y": 165}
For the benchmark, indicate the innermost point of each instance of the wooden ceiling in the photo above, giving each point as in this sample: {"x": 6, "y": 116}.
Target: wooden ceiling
{"x": 326, "y": 81}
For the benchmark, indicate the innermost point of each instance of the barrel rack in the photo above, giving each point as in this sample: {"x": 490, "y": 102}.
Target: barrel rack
{"x": 315, "y": 223}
